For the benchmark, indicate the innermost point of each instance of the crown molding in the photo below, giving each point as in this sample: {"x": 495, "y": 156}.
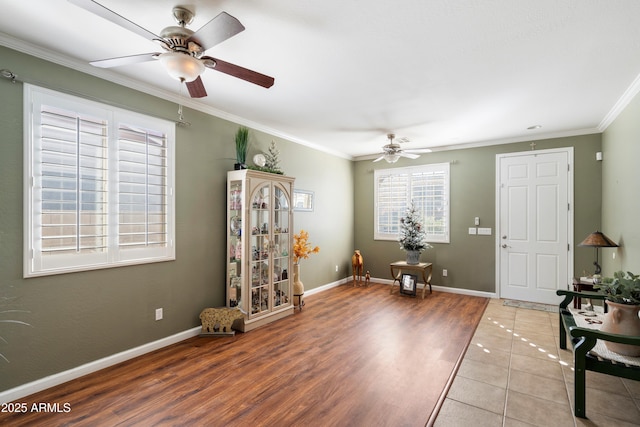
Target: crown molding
{"x": 501, "y": 141}
{"x": 621, "y": 104}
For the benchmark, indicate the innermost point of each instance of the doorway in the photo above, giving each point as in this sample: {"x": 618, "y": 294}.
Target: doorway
{"x": 534, "y": 210}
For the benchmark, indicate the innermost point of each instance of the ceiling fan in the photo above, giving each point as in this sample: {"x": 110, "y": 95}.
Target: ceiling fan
{"x": 392, "y": 151}
{"x": 183, "y": 48}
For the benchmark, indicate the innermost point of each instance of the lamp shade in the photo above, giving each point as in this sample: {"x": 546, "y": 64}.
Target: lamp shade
{"x": 391, "y": 158}
{"x": 182, "y": 66}
{"x": 598, "y": 240}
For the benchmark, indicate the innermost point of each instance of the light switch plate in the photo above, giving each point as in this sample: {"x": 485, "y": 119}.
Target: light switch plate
{"x": 472, "y": 230}
{"x": 484, "y": 231}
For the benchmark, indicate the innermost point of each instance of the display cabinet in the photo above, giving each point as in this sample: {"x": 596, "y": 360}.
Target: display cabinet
{"x": 259, "y": 243}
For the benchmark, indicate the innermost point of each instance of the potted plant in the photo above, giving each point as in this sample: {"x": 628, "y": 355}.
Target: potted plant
{"x": 622, "y": 288}
{"x": 413, "y": 237}
{"x": 623, "y": 299}
{"x": 242, "y": 143}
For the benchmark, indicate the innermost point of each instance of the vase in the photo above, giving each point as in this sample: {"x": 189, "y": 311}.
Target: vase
{"x": 622, "y": 319}
{"x": 413, "y": 257}
{"x": 298, "y": 287}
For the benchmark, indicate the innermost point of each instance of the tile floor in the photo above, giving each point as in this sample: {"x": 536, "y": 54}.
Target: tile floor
{"x": 514, "y": 374}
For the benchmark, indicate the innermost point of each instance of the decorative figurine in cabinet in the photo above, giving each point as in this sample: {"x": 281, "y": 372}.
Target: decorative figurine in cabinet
{"x": 260, "y": 218}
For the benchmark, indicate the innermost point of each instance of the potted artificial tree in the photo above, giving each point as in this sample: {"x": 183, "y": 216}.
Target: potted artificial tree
{"x": 413, "y": 237}
{"x": 623, "y": 298}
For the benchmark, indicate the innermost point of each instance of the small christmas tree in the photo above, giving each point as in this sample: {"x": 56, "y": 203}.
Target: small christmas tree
{"x": 272, "y": 158}
{"x": 413, "y": 237}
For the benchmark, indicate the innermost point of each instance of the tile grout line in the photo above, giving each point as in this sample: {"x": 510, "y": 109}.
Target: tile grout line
{"x": 506, "y": 392}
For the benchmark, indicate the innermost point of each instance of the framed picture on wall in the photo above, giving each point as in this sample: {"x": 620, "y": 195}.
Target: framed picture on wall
{"x": 303, "y": 200}
{"x": 408, "y": 284}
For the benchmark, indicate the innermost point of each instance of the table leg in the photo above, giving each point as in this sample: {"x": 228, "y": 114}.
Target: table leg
{"x": 577, "y": 301}
{"x": 427, "y": 280}
{"x": 395, "y": 277}
{"x": 424, "y": 280}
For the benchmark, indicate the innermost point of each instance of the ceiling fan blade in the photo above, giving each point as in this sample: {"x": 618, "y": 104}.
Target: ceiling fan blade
{"x": 219, "y": 29}
{"x": 196, "y": 88}
{"x": 408, "y": 155}
{"x": 379, "y": 158}
{"x": 109, "y": 15}
{"x": 240, "y": 72}
{"x": 124, "y": 60}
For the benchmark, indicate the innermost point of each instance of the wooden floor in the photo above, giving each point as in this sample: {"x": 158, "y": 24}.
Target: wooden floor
{"x": 351, "y": 357}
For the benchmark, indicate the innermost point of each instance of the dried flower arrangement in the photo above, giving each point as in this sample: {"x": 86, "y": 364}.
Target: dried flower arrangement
{"x": 301, "y": 247}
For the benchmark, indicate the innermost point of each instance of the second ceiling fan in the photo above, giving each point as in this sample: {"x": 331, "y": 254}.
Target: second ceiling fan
{"x": 183, "y": 55}
{"x": 392, "y": 151}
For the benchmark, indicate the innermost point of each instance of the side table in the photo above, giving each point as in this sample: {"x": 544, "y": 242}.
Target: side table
{"x": 399, "y": 266}
{"x": 579, "y": 286}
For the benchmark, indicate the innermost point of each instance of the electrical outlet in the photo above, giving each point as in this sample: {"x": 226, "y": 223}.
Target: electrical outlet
{"x": 476, "y": 220}
{"x": 336, "y": 268}
{"x": 444, "y": 272}
{"x": 158, "y": 314}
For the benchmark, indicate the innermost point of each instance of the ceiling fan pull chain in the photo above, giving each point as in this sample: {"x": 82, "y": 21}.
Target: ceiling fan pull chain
{"x": 180, "y": 103}
{"x": 181, "y": 121}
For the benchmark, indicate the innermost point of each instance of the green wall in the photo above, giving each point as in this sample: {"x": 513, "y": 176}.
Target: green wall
{"x": 621, "y": 191}
{"x": 470, "y": 260}
{"x": 82, "y": 317}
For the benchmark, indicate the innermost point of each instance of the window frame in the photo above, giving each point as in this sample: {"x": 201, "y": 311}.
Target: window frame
{"x": 35, "y": 264}
{"x": 409, "y": 171}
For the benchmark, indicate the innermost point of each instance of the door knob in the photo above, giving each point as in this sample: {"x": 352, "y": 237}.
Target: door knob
{"x": 504, "y": 245}
{"x": 504, "y": 237}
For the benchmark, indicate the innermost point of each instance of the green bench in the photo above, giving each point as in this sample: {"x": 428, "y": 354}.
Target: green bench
{"x": 583, "y": 340}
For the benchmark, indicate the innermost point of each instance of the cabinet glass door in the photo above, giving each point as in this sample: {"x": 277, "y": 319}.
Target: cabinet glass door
{"x": 281, "y": 241}
{"x": 260, "y": 218}
{"x": 235, "y": 244}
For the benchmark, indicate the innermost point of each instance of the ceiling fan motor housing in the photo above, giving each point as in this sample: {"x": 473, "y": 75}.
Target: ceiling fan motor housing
{"x": 175, "y": 39}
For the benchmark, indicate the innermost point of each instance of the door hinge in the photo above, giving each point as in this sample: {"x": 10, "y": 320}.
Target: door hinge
{"x": 569, "y": 207}
{"x": 568, "y": 167}
{"x": 568, "y": 247}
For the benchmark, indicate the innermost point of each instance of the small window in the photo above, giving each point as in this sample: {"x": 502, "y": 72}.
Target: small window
{"x": 427, "y": 186}
{"x": 98, "y": 185}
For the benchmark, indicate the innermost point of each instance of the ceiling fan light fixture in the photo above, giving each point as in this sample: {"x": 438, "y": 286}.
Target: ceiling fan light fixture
{"x": 391, "y": 157}
{"x": 182, "y": 66}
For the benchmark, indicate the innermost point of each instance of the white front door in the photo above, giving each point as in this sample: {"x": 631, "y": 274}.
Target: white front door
{"x": 534, "y": 224}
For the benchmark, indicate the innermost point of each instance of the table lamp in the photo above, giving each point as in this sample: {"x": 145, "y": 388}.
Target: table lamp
{"x": 598, "y": 240}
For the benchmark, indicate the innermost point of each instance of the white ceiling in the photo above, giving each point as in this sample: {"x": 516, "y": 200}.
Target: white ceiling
{"x": 442, "y": 73}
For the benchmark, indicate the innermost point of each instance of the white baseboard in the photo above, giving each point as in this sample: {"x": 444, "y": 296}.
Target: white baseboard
{"x": 327, "y": 286}
{"x": 469, "y": 292}
{"x": 62, "y": 377}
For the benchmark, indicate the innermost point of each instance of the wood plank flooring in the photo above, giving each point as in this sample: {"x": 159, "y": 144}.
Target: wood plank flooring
{"x": 351, "y": 357}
